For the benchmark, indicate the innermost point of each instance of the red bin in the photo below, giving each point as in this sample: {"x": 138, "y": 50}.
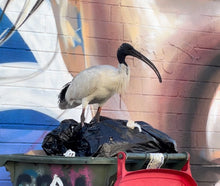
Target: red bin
{"x": 153, "y": 177}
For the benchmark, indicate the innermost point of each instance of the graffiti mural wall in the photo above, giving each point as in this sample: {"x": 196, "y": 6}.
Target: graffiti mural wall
{"x": 44, "y": 43}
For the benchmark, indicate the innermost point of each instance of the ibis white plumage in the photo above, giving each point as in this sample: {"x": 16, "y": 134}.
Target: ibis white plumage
{"x": 95, "y": 85}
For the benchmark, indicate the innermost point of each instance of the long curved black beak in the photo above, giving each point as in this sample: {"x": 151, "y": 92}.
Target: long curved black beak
{"x": 140, "y": 56}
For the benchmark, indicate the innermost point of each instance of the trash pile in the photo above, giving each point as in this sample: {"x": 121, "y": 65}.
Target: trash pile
{"x": 106, "y": 138}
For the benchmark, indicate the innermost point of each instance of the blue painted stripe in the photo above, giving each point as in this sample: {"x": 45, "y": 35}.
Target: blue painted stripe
{"x": 22, "y": 136}
{"x": 26, "y": 119}
{"x": 5, "y": 183}
{"x": 27, "y": 126}
{"x": 18, "y": 148}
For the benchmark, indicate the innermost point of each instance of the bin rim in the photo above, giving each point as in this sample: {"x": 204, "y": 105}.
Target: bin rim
{"x": 24, "y": 158}
{"x": 44, "y": 159}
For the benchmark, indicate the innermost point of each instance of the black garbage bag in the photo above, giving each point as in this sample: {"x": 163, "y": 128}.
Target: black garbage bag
{"x": 68, "y": 135}
{"x": 106, "y": 139}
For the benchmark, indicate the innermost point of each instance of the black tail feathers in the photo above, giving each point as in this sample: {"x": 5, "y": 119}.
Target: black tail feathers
{"x": 61, "y": 96}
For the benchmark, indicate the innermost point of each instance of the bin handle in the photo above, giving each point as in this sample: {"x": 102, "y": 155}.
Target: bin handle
{"x": 137, "y": 156}
{"x": 122, "y": 156}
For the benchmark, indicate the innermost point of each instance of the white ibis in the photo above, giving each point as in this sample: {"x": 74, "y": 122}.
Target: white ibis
{"x": 95, "y": 85}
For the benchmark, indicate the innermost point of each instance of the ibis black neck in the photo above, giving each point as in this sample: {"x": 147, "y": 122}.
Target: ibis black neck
{"x": 121, "y": 60}
{"x": 121, "y": 57}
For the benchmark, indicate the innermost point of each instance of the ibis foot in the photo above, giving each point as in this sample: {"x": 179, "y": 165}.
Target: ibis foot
{"x": 94, "y": 120}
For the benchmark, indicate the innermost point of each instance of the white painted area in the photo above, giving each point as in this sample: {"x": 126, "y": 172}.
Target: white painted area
{"x": 218, "y": 183}
{"x": 213, "y": 127}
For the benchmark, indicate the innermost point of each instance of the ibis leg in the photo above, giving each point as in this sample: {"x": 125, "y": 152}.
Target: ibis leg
{"x": 83, "y": 117}
{"x": 97, "y": 115}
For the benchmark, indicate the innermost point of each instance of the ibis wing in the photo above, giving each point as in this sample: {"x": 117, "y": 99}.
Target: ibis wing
{"x": 85, "y": 83}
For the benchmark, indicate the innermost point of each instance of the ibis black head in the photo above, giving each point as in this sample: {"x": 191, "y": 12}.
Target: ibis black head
{"x": 126, "y": 49}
